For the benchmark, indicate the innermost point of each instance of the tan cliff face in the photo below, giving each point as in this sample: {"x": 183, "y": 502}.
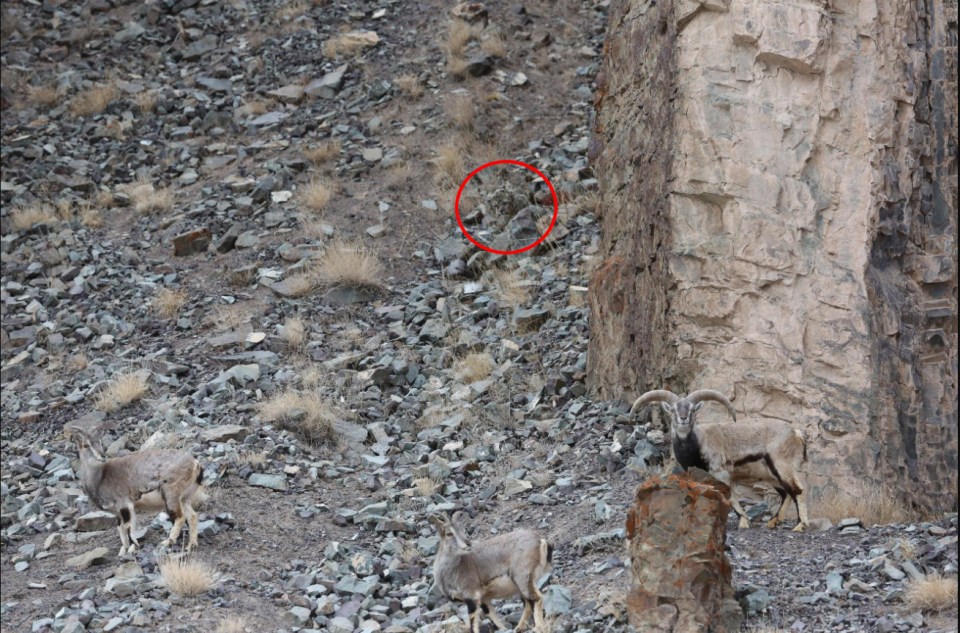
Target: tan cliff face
{"x": 779, "y": 213}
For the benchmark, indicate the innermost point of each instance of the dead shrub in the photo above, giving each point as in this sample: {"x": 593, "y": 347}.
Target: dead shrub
{"x": 872, "y": 504}
{"x": 94, "y": 100}
{"x": 398, "y": 175}
{"x": 23, "y": 218}
{"x": 457, "y": 67}
{"x": 509, "y": 286}
{"x": 169, "y": 302}
{"x": 78, "y": 362}
{"x": 186, "y": 577}
{"x": 43, "y": 96}
{"x": 474, "y": 366}
{"x": 348, "y": 263}
{"x": 301, "y": 284}
{"x": 146, "y": 101}
{"x": 934, "y": 594}
{"x": 410, "y": 86}
{"x": 460, "y": 112}
{"x": 121, "y": 391}
{"x": 90, "y": 216}
{"x": 459, "y": 35}
{"x": 494, "y": 46}
{"x": 146, "y": 198}
{"x": 315, "y": 195}
{"x": 232, "y": 624}
{"x": 306, "y": 415}
{"x": 449, "y": 163}
{"x": 323, "y": 152}
{"x": 294, "y": 333}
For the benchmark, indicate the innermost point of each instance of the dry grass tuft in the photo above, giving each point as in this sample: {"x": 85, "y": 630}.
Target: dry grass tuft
{"x": 187, "y": 577}
{"x": 323, "y": 152}
{"x": 146, "y": 198}
{"x": 232, "y": 624}
{"x": 410, "y": 86}
{"x": 307, "y": 415}
{"x": 459, "y": 34}
{"x": 301, "y": 284}
{"x": 398, "y": 175}
{"x": 121, "y": 391}
{"x": 494, "y": 46}
{"x": 291, "y": 11}
{"x": 168, "y": 303}
{"x": 90, "y": 216}
{"x": 509, "y": 288}
{"x": 294, "y": 333}
{"x": 43, "y": 96}
{"x": 315, "y": 195}
{"x": 94, "y": 100}
{"x": 27, "y": 217}
{"x": 146, "y": 101}
{"x": 254, "y": 107}
{"x": 78, "y": 362}
{"x": 104, "y": 199}
{"x": 460, "y": 112}
{"x": 457, "y": 67}
{"x": 449, "y": 163}
{"x": 473, "y": 367}
{"x": 426, "y": 486}
{"x": 347, "y": 263}
{"x": 935, "y": 593}
{"x": 873, "y": 505}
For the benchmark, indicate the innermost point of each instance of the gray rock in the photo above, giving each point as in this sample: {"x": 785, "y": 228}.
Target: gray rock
{"x": 273, "y": 482}
{"x": 96, "y": 521}
{"x": 557, "y": 600}
{"x": 93, "y": 557}
{"x": 225, "y": 432}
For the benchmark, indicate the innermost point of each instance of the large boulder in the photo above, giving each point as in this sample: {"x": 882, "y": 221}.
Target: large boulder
{"x": 681, "y": 575}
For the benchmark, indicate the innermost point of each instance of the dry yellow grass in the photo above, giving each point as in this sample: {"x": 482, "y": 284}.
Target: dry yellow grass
{"x": 90, "y": 216}
{"x": 254, "y": 107}
{"x": 508, "y": 286}
{"x": 104, "y": 199}
{"x": 146, "y": 101}
{"x": 398, "y": 175}
{"x": 294, "y": 333}
{"x": 410, "y": 86}
{"x": 121, "y": 391}
{"x": 232, "y": 624}
{"x": 315, "y": 195}
{"x": 425, "y": 486}
{"x": 94, "y": 100}
{"x": 78, "y": 362}
{"x": 494, "y": 46}
{"x": 449, "y": 163}
{"x": 872, "y": 504}
{"x": 323, "y": 152}
{"x": 146, "y": 198}
{"x": 291, "y": 10}
{"x": 26, "y": 217}
{"x": 186, "y": 577}
{"x": 254, "y": 460}
{"x": 935, "y": 593}
{"x": 474, "y": 366}
{"x": 306, "y": 415}
{"x": 43, "y": 96}
{"x": 460, "y": 112}
{"x": 459, "y": 34}
{"x": 347, "y": 263}
{"x": 301, "y": 284}
{"x": 457, "y": 67}
{"x": 169, "y": 302}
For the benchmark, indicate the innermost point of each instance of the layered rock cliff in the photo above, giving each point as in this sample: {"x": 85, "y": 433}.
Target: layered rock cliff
{"x": 779, "y": 213}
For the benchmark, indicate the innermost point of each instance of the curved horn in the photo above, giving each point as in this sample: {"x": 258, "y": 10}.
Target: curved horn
{"x": 657, "y": 395}
{"x": 709, "y": 394}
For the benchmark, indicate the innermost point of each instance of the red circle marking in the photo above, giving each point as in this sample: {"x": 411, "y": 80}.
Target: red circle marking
{"x": 553, "y": 220}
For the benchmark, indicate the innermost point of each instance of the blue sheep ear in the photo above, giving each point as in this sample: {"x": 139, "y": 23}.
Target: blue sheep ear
{"x": 667, "y": 407}
{"x": 698, "y": 406}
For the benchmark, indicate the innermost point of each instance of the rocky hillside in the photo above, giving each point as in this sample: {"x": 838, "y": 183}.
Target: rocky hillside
{"x": 227, "y": 228}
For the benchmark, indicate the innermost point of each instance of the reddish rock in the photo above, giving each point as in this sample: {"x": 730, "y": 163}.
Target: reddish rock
{"x": 681, "y": 575}
{"x": 191, "y": 242}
